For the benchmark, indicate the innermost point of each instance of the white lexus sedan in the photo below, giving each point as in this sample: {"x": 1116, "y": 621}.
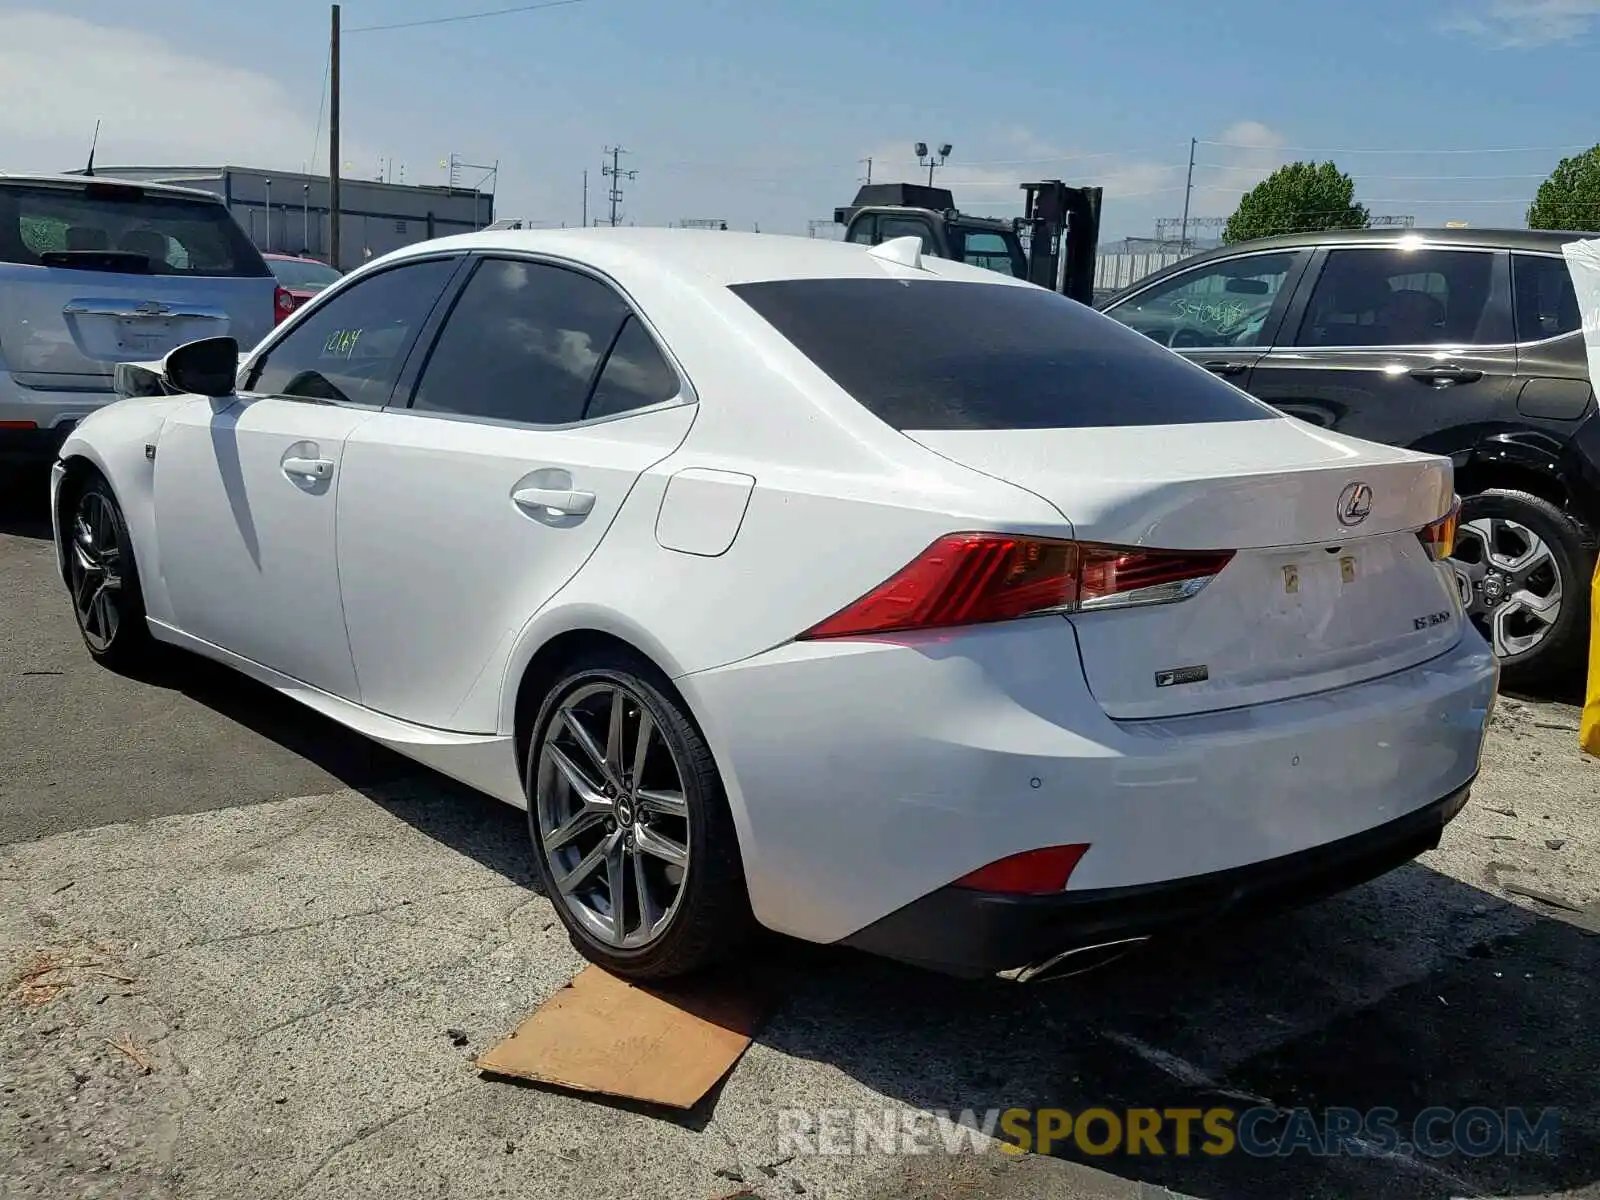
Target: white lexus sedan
{"x": 863, "y": 597}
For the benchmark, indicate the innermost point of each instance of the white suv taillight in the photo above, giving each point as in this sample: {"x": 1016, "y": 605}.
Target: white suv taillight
{"x": 975, "y": 578}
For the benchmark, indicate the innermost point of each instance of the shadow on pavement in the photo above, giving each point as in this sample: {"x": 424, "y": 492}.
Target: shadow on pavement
{"x": 1333, "y": 1007}
{"x": 350, "y": 758}
{"x": 25, "y": 502}
{"x": 1411, "y": 992}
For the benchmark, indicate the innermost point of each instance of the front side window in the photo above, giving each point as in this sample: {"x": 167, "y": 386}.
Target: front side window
{"x": 1399, "y": 297}
{"x": 524, "y": 343}
{"x": 927, "y": 354}
{"x": 351, "y": 349}
{"x": 1546, "y": 302}
{"x": 1220, "y": 304}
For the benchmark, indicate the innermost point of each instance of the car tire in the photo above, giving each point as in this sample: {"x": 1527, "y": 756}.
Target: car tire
{"x": 103, "y": 578}
{"x": 1512, "y": 519}
{"x": 694, "y": 915}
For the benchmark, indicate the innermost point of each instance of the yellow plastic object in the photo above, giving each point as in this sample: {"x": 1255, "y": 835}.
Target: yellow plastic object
{"x": 1589, "y": 726}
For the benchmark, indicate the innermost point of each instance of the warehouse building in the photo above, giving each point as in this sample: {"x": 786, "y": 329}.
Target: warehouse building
{"x": 287, "y": 212}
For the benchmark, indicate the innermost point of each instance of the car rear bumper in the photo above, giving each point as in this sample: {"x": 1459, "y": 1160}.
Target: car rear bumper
{"x": 34, "y": 422}
{"x": 864, "y": 776}
{"x": 968, "y": 933}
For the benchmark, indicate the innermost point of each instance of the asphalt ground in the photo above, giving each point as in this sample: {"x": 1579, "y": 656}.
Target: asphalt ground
{"x": 235, "y": 941}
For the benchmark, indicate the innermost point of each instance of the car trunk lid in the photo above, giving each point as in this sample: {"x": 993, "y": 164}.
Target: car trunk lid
{"x": 1329, "y": 583}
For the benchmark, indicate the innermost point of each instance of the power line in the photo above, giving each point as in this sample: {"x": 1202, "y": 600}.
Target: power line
{"x": 1347, "y": 150}
{"x": 496, "y": 12}
{"x": 322, "y": 103}
{"x": 1408, "y": 178}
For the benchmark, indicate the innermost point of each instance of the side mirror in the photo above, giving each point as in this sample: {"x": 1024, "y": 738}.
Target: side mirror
{"x": 208, "y": 367}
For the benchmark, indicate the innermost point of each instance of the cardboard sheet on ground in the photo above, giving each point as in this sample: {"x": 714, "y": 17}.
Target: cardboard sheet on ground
{"x": 662, "y": 1045}
{"x": 1583, "y": 261}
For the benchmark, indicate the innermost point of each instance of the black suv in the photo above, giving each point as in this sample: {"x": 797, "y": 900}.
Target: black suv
{"x": 1465, "y": 343}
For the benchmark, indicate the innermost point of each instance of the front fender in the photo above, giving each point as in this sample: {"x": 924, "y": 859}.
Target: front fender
{"x": 113, "y": 441}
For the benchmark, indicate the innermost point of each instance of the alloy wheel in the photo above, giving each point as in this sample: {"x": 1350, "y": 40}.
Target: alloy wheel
{"x": 613, "y": 815}
{"x": 1510, "y": 583}
{"x": 95, "y": 567}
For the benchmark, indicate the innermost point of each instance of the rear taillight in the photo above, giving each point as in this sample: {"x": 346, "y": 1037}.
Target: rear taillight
{"x": 1439, "y": 538}
{"x": 1031, "y": 873}
{"x": 282, "y": 305}
{"x": 975, "y": 578}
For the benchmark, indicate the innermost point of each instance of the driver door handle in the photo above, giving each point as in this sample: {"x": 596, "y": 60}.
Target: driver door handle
{"x": 559, "y": 501}
{"x": 1444, "y": 374}
{"x": 308, "y": 468}
{"x": 1221, "y": 366}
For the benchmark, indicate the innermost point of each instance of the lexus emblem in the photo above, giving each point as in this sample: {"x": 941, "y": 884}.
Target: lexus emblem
{"x": 1355, "y": 504}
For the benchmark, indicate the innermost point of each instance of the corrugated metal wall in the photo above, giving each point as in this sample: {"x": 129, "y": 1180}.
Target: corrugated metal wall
{"x": 1120, "y": 269}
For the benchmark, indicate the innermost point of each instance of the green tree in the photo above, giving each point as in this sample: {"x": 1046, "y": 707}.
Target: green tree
{"x": 1297, "y": 198}
{"x": 1570, "y": 198}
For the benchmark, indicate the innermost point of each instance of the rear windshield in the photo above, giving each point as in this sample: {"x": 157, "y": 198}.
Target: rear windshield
{"x": 303, "y": 273}
{"x": 940, "y": 355}
{"x": 101, "y": 225}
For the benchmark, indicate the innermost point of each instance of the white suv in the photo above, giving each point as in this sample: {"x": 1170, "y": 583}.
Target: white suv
{"x": 97, "y": 271}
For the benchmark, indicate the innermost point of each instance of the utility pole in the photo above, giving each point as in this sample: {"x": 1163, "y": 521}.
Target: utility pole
{"x": 586, "y": 199}
{"x": 868, "y": 161}
{"x": 333, "y": 142}
{"x": 616, "y": 175}
{"x": 1188, "y": 190}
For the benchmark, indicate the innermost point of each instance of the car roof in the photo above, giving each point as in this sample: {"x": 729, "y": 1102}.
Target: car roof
{"x": 705, "y": 257}
{"x": 1492, "y": 239}
{"x": 80, "y": 180}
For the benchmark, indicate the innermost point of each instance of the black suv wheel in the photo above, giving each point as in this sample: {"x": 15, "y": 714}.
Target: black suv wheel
{"x": 1524, "y": 571}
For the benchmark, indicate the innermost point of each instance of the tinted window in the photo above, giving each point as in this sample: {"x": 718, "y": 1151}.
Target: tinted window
{"x": 351, "y": 349}
{"x": 165, "y": 234}
{"x": 1546, "y": 302}
{"x": 303, "y": 274}
{"x": 635, "y": 375}
{"x": 1222, "y": 304}
{"x": 523, "y": 343}
{"x": 1402, "y": 298}
{"x": 939, "y": 355}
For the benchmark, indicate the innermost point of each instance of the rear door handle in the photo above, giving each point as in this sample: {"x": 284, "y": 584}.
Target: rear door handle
{"x": 308, "y": 468}
{"x": 561, "y": 502}
{"x": 1220, "y": 366}
{"x": 1444, "y": 374}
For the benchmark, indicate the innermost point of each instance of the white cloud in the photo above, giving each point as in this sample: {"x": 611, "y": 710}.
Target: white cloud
{"x": 158, "y": 105}
{"x": 1526, "y": 23}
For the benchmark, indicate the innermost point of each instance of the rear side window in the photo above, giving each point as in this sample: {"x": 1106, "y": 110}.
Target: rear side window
{"x": 525, "y": 343}
{"x": 1397, "y": 297}
{"x": 924, "y": 354}
{"x": 122, "y": 227}
{"x": 1546, "y": 302}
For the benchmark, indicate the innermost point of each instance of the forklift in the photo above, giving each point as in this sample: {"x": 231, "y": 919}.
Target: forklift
{"x": 1062, "y": 225}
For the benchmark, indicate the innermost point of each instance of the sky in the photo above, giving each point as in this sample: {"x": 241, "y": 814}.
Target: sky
{"x": 762, "y": 113}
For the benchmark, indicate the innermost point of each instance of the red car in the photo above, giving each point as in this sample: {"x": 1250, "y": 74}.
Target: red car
{"x": 299, "y": 279}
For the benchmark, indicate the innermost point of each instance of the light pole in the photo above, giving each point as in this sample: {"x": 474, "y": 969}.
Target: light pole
{"x": 922, "y": 154}
{"x": 269, "y": 214}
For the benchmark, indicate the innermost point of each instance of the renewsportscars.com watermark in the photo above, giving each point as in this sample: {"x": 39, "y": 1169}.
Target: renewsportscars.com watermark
{"x": 1262, "y": 1132}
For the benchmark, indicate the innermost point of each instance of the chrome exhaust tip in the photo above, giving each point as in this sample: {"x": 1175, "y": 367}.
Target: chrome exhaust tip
{"x": 1077, "y": 961}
